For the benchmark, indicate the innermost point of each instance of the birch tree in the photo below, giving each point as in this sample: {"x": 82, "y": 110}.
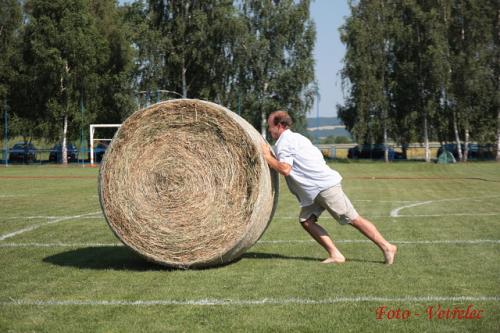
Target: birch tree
{"x": 276, "y": 69}
{"x": 367, "y": 35}
{"x": 474, "y": 81}
{"x": 62, "y": 48}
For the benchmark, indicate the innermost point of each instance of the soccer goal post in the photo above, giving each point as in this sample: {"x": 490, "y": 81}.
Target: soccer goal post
{"x": 92, "y": 139}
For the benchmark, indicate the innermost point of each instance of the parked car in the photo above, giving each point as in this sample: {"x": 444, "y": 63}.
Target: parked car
{"x": 55, "y": 154}
{"x": 374, "y": 152}
{"x": 24, "y": 152}
{"x": 99, "y": 151}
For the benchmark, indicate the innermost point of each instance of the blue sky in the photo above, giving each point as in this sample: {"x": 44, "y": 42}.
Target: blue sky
{"x": 328, "y": 16}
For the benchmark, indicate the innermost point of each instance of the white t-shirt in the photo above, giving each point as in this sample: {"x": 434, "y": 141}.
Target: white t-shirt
{"x": 310, "y": 174}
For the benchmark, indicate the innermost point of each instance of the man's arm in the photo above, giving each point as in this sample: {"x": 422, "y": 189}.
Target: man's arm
{"x": 281, "y": 167}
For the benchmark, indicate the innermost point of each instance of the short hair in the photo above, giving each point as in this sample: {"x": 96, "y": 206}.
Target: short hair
{"x": 281, "y": 117}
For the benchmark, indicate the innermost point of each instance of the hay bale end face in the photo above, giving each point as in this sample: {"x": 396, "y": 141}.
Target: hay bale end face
{"x": 184, "y": 184}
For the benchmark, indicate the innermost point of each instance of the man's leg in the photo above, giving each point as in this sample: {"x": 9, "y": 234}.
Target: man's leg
{"x": 369, "y": 230}
{"x": 322, "y": 237}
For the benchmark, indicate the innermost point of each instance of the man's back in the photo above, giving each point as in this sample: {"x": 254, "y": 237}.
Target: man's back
{"x": 310, "y": 174}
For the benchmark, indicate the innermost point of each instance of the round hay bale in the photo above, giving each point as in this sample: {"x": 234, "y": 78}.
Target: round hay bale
{"x": 184, "y": 184}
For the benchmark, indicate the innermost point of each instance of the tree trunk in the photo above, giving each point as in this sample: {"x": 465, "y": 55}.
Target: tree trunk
{"x": 184, "y": 84}
{"x": 263, "y": 124}
{"x": 457, "y": 136}
{"x": 386, "y": 146}
{"x": 466, "y": 145}
{"x": 426, "y": 140}
{"x": 263, "y": 118}
{"x": 64, "y": 148}
{"x": 498, "y": 136}
{"x": 64, "y": 142}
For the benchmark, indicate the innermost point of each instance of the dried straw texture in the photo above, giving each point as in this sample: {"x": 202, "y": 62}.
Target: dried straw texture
{"x": 184, "y": 184}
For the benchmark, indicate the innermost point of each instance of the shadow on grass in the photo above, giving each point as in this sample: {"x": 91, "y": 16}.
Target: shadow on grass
{"x": 122, "y": 258}
{"x": 365, "y": 261}
{"x": 104, "y": 257}
{"x": 260, "y": 255}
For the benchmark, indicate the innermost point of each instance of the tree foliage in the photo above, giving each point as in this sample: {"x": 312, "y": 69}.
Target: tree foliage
{"x": 254, "y": 58}
{"x": 421, "y": 70}
{"x": 10, "y": 50}
{"x": 416, "y": 70}
{"x": 73, "y": 62}
{"x": 276, "y": 67}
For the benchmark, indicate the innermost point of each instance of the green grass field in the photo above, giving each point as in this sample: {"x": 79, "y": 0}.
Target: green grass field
{"x": 64, "y": 271}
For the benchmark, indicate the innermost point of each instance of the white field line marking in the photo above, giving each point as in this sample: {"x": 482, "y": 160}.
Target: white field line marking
{"x": 41, "y": 217}
{"x": 100, "y": 216}
{"x": 395, "y": 212}
{"x": 400, "y": 216}
{"x": 36, "y": 226}
{"x": 4, "y": 245}
{"x": 457, "y": 214}
{"x": 368, "y": 200}
{"x": 263, "y": 301}
{"x": 277, "y": 241}
{"x": 443, "y": 241}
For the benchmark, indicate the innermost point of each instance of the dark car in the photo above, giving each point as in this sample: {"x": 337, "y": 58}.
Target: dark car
{"x": 99, "y": 151}
{"x": 55, "y": 154}
{"x": 375, "y": 152}
{"x": 24, "y": 152}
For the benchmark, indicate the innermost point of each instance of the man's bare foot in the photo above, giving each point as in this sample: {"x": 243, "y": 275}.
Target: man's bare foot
{"x": 333, "y": 261}
{"x": 336, "y": 258}
{"x": 390, "y": 254}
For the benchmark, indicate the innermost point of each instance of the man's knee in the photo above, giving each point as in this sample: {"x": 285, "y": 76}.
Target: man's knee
{"x": 309, "y": 222}
{"x": 358, "y": 221}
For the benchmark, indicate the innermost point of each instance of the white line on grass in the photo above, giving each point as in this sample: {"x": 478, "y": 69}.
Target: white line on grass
{"x": 368, "y": 200}
{"x": 277, "y": 241}
{"x": 95, "y": 216}
{"x": 59, "y": 244}
{"x": 405, "y": 216}
{"x": 51, "y": 217}
{"x": 36, "y": 226}
{"x": 443, "y": 241}
{"x": 263, "y": 301}
{"x": 395, "y": 212}
{"x": 457, "y": 214}
{"x": 12, "y": 195}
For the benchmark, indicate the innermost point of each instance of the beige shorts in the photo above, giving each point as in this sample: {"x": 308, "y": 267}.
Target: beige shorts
{"x": 335, "y": 201}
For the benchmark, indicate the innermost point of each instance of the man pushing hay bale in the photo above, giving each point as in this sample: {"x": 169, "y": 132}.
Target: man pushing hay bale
{"x": 184, "y": 184}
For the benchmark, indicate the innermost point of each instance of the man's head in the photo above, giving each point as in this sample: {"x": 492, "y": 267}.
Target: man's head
{"x": 278, "y": 122}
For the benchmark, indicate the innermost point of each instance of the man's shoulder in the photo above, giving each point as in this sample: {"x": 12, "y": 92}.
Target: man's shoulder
{"x": 296, "y": 138}
{"x": 286, "y": 138}
{"x": 292, "y": 142}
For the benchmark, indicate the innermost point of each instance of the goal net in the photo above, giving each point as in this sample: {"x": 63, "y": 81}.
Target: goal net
{"x": 94, "y": 140}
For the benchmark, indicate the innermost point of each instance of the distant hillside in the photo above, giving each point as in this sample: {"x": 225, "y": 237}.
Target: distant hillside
{"x": 323, "y": 127}
{"x": 323, "y": 121}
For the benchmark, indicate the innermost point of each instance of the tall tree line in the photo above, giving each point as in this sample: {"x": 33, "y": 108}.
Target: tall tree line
{"x": 422, "y": 70}
{"x": 252, "y": 56}
{"x": 68, "y": 63}
{"x": 71, "y": 65}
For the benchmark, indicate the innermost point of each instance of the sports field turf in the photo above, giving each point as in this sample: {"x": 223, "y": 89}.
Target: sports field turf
{"x": 62, "y": 269}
